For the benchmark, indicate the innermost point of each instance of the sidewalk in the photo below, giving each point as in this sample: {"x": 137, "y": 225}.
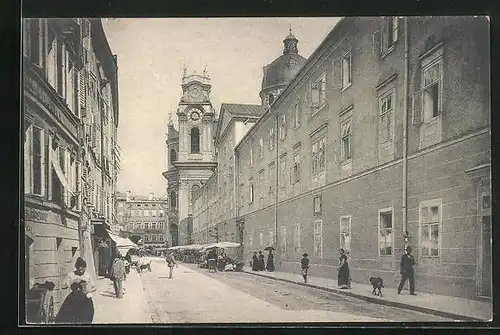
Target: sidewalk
{"x": 435, "y": 304}
{"x": 133, "y": 308}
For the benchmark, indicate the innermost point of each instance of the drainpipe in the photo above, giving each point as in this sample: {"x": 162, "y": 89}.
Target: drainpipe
{"x": 278, "y": 256}
{"x": 405, "y": 134}
{"x": 239, "y": 228}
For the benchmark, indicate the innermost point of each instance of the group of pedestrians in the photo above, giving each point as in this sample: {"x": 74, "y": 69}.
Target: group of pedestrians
{"x": 258, "y": 263}
{"x": 344, "y": 277}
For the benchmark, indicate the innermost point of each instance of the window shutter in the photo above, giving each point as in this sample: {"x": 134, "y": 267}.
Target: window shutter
{"x": 82, "y": 91}
{"x": 417, "y": 108}
{"x": 385, "y": 33}
{"x": 42, "y": 165}
{"x": 337, "y": 74}
{"x": 86, "y": 28}
{"x": 377, "y": 43}
{"x": 395, "y": 28}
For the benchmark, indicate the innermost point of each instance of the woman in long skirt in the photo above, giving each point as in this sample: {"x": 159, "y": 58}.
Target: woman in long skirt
{"x": 262, "y": 265}
{"x": 270, "y": 261}
{"x": 255, "y": 262}
{"x": 343, "y": 277}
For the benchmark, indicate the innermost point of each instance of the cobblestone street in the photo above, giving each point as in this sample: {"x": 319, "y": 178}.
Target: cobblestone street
{"x": 194, "y": 295}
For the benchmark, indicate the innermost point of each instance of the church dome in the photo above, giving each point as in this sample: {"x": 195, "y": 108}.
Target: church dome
{"x": 283, "y": 69}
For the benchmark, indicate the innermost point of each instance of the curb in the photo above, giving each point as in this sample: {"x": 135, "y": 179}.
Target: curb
{"x": 376, "y": 300}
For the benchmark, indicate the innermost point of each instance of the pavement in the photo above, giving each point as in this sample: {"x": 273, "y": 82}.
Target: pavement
{"x": 132, "y": 308}
{"x": 435, "y": 304}
{"x": 194, "y": 297}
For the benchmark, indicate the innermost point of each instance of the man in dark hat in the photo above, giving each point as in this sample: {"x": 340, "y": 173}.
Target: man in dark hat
{"x": 407, "y": 272}
{"x": 305, "y": 266}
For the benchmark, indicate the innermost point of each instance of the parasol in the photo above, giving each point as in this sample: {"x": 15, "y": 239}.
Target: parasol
{"x": 268, "y": 248}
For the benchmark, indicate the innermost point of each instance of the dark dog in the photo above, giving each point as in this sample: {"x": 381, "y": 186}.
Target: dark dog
{"x": 377, "y": 284}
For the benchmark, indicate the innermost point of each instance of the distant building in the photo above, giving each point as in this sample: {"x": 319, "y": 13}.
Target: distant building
{"x": 143, "y": 217}
{"x": 369, "y": 151}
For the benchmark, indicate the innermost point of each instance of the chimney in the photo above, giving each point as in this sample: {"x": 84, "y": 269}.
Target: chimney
{"x": 128, "y": 196}
{"x": 151, "y": 195}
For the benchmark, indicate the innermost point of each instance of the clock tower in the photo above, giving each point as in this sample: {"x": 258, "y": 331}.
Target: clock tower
{"x": 195, "y": 161}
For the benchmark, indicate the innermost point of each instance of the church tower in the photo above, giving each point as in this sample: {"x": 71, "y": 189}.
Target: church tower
{"x": 192, "y": 150}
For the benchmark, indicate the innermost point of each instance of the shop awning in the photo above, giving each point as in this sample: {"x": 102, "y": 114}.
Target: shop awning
{"x": 123, "y": 245}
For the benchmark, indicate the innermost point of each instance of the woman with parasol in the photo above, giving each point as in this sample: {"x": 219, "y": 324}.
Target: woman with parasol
{"x": 270, "y": 259}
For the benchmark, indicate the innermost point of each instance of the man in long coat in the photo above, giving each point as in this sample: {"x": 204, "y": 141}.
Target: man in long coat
{"x": 117, "y": 276}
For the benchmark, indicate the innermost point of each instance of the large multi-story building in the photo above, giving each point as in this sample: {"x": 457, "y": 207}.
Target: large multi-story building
{"x": 143, "y": 218}
{"x": 381, "y": 140}
{"x": 69, "y": 93}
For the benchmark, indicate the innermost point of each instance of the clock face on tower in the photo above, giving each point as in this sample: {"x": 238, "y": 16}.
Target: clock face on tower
{"x": 194, "y": 92}
{"x": 195, "y": 114}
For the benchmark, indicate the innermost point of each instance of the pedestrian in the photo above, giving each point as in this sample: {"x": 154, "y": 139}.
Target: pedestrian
{"x": 77, "y": 308}
{"x": 270, "y": 261}
{"x": 343, "y": 275}
{"x": 305, "y": 266}
{"x": 171, "y": 263}
{"x": 221, "y": 260}
{"x": 262, "y": 265}
{"x": 255, "y": 261}
{"x": 117, "y": 275}
{"x": 407, "y": 272}
{"x": 78, "y": 305}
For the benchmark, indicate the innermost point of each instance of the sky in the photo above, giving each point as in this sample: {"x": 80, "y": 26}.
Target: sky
{"x": 151, "y": 53}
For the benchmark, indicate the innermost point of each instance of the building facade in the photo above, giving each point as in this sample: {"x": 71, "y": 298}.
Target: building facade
{"x": 144, "y": 218}
{"x": 380, "y": 141}
{"x": 56, "y": 56}
{"x": 191, "y": 153}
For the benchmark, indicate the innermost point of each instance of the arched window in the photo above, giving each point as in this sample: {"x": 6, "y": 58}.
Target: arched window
{"x": 195, "y": 140}
{"x": 173, "y": 199}
{"x": 173, "y": 156}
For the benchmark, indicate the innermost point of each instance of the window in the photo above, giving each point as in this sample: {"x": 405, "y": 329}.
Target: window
{"x": 160, "y": 237}
{"x": 392, "y": 30}
{"x": 146, "y": 237}
{"x": 283, "y": 171}
{"x": 153, "y": 237}
{"x": 283, "y": 239}
{"x": 318, "y": 89}
{"x": 345, "y": 233}
{"x": 432, "y": 82}
{"x": 296, "y": 168}
{"x": 385, "y": 232}
{"x": 386, "y": 107}
{"x": 146, "y": 225}
{"x": 296, "y": 237}
{"x": 271, "y": 177}
{"x": 317, "y": 204}
{"x": 271, "y": 237}
{"x": 120, "y": 204}
{"x": 194, "y": 190}
{"x": 173, "y": 156}
{"x": 251, "y": 156}
{"x": 271, "y": 139}
{"x": 250, "y": 240}
{"x": 153, "y": 225}
{"x": 296, "y": 114}
{"x": 318, "y": 156}
{"x": 318, "y": 238}
{"x": 261, "y": 239}
{"x": 430, "y": 223}
{"x": 173, "y": 200}
{"x": 250, "y": 192}
{"x": 160, "y": 213}
{"x": 37, "y": 170}
{"x": 346, "y": 70}
{"x": 346, "y": 140}
{"x": 153, "y": 212}
{"x": 195, "y": 140}
{"x": 261, "y": 148}
{"x": 282, "y": 130}
{"x": 146, "y": 212}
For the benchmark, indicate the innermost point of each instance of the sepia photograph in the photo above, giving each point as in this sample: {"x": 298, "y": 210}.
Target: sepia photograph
{"x": 251, "y": 170}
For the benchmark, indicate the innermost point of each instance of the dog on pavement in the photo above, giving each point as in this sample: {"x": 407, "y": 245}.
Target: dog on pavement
{"x": 378, "y": 284}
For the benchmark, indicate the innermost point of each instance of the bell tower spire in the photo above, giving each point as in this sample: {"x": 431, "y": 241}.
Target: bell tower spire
{"x": 290, "y": 43}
